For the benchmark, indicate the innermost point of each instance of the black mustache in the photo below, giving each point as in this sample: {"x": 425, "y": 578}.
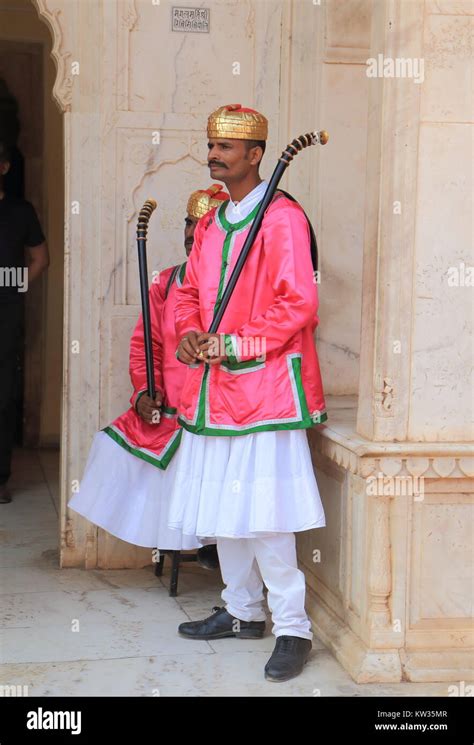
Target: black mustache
{"x": 215, "y": 163}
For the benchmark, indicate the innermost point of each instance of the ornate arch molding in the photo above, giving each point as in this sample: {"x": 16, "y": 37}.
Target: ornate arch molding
{"x": 54, "y": 19}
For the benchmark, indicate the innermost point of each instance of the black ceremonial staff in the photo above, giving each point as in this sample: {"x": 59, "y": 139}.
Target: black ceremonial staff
{"x": 142, "y": 227}
{"x": 285, "y": 159}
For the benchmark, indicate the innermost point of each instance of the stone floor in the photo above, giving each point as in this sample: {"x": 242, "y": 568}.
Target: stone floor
{"x": 113, "y": 633}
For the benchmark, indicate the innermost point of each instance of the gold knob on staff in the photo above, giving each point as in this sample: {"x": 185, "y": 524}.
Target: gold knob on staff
{"x": 144, "y": 217}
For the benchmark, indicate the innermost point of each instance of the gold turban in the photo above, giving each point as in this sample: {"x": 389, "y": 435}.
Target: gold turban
{"x": 233, "y": 122}
{"x": 203, "y": 200}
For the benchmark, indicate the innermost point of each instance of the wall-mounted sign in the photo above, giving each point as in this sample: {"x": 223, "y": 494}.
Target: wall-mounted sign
{"x": 196, "y": 20}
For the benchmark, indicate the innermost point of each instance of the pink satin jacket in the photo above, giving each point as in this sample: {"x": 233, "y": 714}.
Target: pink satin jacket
{"x": 271, "y": 379}
{"x": 155, "y": 443}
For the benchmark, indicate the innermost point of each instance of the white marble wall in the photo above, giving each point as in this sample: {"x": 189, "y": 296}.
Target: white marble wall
{"x": 343, "y": 110}
{"x": 416, "y": 345}
{"x": 390, "y": 577}
{"x": 441, "y": 398}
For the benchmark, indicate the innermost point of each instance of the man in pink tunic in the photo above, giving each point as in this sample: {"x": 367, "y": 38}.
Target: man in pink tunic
{"x": 244, "y": 473}
{"x": 126, "y": 485}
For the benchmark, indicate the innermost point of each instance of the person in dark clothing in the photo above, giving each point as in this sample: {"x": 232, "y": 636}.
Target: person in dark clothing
{"x": 23, "y": 258}
{"x": 14, "y": 179}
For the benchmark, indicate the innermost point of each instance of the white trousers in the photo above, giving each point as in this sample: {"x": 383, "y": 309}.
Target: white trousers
{"x": 247, "y": 563}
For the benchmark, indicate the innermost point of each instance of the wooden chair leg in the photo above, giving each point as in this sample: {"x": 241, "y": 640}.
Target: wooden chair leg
{"x": 175, "y": 557}
{"x": 160, "y": 565}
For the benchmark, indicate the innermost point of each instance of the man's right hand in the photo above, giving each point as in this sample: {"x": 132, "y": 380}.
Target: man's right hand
{"x": 188, "y": 349}
{"x": 149, "y": 409}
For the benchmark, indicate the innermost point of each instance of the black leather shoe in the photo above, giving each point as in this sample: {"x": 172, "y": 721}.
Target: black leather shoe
{"x": 207, "y": 557}
{"x": 288, "y": 658}
{"x": 220, "y": 625}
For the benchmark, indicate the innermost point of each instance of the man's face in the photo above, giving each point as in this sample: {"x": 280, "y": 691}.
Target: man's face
{"x": 189, "y": 227}
{"x": 231, "y": 160}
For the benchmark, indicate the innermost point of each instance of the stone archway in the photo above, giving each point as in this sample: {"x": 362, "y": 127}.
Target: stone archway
{"x": 52, "y": 14}
{"x": 79, "y": 418}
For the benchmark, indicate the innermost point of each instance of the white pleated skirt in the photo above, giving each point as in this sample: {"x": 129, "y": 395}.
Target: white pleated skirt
{"x": 128, "y": 497}
{"x": 241, "y": 487}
